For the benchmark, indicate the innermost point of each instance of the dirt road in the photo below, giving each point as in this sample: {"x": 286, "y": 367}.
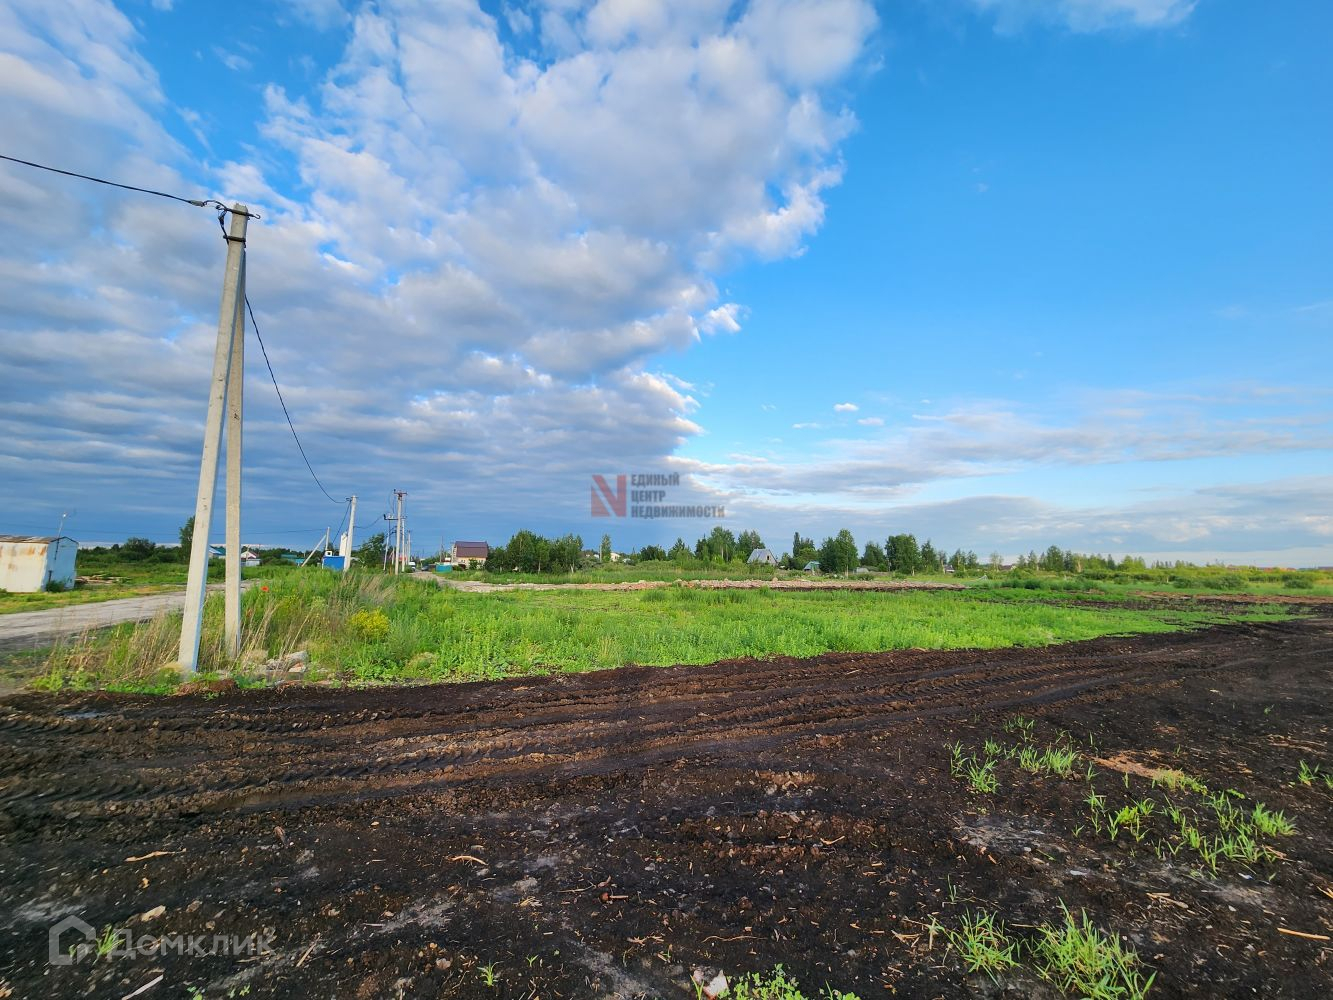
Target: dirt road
{"x": 604, "y": 834}
{"x": 36, "y": 629}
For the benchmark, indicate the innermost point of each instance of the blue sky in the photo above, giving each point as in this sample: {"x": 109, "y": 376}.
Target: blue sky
{"x": 1005, "y": 273}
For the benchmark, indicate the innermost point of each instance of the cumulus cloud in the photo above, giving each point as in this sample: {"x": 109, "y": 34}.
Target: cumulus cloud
{"x": 473, "y": 248}
{"x": 845, "y": 407}
{"x": 725, "y": 318}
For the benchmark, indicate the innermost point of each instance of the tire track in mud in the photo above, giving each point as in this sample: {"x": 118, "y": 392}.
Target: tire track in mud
{"x": 296, "y": 747}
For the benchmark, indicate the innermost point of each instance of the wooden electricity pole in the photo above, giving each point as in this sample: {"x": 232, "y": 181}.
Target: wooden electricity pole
{"x": 231, "y": 328}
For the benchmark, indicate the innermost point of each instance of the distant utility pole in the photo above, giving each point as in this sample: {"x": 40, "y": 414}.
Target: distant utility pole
{"x": 231, "y": 327}
{"x": 346, "y": 547}
{"x": 399, "y": 532}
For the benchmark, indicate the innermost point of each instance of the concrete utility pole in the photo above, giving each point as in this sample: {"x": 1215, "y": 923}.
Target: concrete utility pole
{"x": 347, "y": 538}
{"x": 235, "y": 395}
{"x": 233, "y": 300}
{"x": 398, "y": 535}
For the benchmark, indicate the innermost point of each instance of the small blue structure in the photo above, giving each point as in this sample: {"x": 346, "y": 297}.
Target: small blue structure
{"x": 444, "y": 567}
{"x": 333, "y": 562}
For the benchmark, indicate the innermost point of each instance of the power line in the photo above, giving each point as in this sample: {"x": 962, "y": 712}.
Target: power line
{"x": 347, "y": 509}
{"x": 196, "y": 202}
{"x": 296, "y": 437}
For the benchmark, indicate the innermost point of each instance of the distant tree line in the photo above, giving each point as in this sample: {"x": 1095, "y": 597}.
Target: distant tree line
{"x": 528, "y": 552}
{"x": 837, "y": 554}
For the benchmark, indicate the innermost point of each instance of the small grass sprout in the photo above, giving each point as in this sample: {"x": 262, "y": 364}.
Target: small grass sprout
{"x": 981, "y": 777}
{"x": 1059, "y": 760}
{"x": 983, "y": 943}
{"x": 1083, "y": 961}
{"x": 1174, "y": 780}
{"x": 1271, "y": 823}
{"x": 1021, "y": 725}
{"x": 777, "y": 985}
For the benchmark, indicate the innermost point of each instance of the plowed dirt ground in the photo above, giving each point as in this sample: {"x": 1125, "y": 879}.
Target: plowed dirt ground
{"x": 606, "y": 834}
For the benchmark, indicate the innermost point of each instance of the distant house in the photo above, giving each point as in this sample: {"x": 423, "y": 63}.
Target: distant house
{"x": 812, "y": 566}
{"x": 216, "y": 550}
{"x": 468, "y": 554}
{"x": 762, "y": 557}
{"x": 29, "y": 563}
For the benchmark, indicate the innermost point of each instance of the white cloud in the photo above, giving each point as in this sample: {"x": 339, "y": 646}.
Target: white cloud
{"x": 234, "y": 61}
{"x": 1089, "y": 15}
{"x": 845, "y": 407}
{"x": 725, "y": 318}
{"x": 322, "y": 14}
{"x": 871, "y": 421}
{"x": 484, "y": 251}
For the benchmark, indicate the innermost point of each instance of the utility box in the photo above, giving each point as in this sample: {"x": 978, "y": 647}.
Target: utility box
{"x": 29, "y": 563}
{"x": 333, "y": 562}
{"x": 444, "y": 567}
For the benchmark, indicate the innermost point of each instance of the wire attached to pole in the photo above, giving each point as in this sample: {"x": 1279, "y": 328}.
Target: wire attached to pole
{"x": 196, "y": 202}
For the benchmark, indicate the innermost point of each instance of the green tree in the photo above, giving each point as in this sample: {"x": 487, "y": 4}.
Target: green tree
{"x": 137, "y": 549}
{"x": 747, "y": 542}
{"x": 838, "y": 554}
{"x": 187, "y": 535}
{"x": 873, "y": 556}
{"x": 903, "y": 554}
{"x": 680, "y": 552}
{"x": 370, "y": 553}
{"x": 606, "y": 550}
{"x": 931, "y": 560}
{"x": 719, "y": 546}
{"x": 565, "y": 553}
{"x": 652, "y": 553}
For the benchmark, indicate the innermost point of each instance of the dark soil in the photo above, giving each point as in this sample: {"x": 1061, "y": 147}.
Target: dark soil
{"x": 606, "y": 834}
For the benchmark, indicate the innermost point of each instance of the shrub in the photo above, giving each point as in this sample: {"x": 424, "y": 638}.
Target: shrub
{"x": 370, "y": 625}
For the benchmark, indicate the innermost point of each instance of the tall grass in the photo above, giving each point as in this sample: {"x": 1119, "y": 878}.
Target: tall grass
{"x": 300, "y": 611}
{"x": 423, "y": 632}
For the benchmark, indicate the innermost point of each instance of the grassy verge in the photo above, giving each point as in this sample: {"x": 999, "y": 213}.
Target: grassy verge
{"x": 126, "y": 579}
{"x": 367, "y": 628}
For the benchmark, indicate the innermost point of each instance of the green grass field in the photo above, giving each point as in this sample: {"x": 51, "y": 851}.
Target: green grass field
{"x": 369, "y": 628}
{"x": 114, "y": 580}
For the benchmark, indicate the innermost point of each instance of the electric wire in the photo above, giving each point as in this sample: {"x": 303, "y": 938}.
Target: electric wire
{"x": 283, "y": 403}
{"x": 222, "y": 211}
{"x": 196, "y": 202}
{"x": 347, "y": 509}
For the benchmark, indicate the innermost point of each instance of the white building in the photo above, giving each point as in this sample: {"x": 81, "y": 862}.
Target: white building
{"x": 29, "y": 562}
